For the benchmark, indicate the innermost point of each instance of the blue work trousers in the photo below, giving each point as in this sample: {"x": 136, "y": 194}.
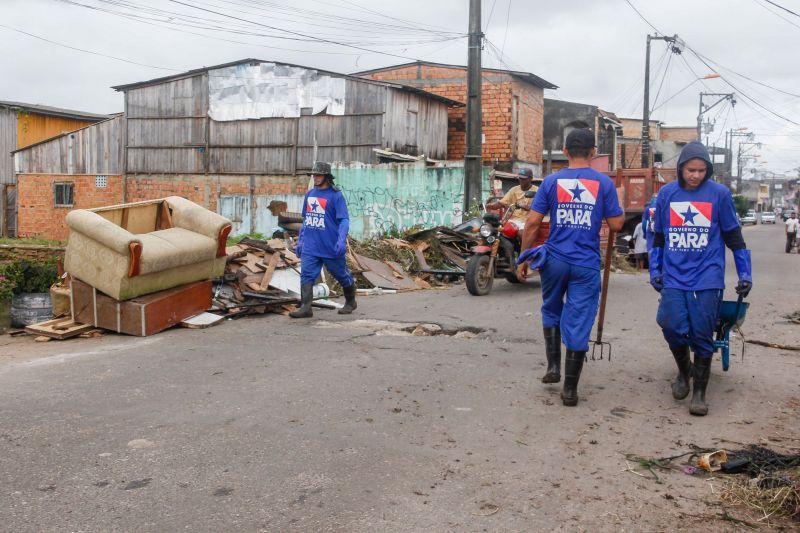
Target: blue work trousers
{"x": 689, "y": 317}
{"x": 575, "y": 316}
{"x": 312, "y": 266}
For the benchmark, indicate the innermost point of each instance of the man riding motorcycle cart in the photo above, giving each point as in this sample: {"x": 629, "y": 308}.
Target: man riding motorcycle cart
{"x": 499, "y": 237}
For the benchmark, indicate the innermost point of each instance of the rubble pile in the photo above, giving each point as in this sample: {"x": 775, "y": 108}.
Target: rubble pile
{"x": 260, "y": 277}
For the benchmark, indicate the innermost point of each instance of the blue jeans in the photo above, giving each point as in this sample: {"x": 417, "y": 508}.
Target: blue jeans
{"x": 689, "y": 317}
{"x": 575, "y": 316}
{"x": 312, "y": 266}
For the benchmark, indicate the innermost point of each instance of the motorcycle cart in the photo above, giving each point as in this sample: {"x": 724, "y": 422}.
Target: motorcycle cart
{"x": 497, "y": 250}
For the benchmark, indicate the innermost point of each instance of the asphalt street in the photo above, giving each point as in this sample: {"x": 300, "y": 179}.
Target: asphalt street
{"x": 354, "y": 424}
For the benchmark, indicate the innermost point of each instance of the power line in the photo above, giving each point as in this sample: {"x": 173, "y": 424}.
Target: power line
{"x": 299, "y": 34}
{"x": 781, "y": 7}
{"x": 641, "y": 16}
{"x": 85, "y": 50}
{"x": 742, "y": 93}
{"x": 489, "y": 20}
{"x": 776, "y": 14}
{"x": 505, "y": 33}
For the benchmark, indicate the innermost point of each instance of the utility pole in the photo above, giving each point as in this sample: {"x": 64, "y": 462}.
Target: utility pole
{"x": 704, "y": 109}
{"x": 676, "y": 48}
{"x": 473, "y": 162}
{"x": 739, "y": 158}
{"x": 733, "y": 132}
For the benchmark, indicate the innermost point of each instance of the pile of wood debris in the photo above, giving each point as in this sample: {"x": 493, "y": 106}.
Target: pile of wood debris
{"x": 260, "y": 277}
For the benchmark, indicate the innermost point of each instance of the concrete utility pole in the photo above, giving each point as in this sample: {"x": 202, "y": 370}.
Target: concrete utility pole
{"x": 729, "y": 135}
{"x": 739, "y": 158}
{"x": 703, "y": 109}
{"x": 676, "y": 48}
{"x": 473, "y": 162}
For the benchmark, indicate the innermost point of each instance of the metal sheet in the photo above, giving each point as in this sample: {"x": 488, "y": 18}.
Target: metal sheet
{"x": 237, "y": 209}
{"x": 263, "y": 90}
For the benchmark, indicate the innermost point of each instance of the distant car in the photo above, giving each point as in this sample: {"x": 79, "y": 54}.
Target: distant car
{"x": 767, "y": 217}
{"x": 749, "y": 218}
{"x": 787, "y": 213}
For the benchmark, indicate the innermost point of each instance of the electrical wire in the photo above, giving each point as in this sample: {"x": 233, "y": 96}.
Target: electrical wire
{"x": 781, "y": 7}
{"x": 505, "y": 33}
{"x": 777, "y": 14}
{"x": 87, "y": 51}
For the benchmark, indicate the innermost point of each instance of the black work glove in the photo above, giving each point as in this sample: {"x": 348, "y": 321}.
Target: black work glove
{"x": 743, "y": 288}
{"x": 657, "y": 282}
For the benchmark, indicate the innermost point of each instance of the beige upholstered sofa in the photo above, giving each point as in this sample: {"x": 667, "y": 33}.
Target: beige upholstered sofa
{"x": 133, "y": 249}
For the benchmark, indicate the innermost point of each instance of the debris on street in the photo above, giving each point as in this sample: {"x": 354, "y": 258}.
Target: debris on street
{"x": 260, "y": 277}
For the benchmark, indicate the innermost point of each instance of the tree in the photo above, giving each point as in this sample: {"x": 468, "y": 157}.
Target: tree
{"x": 741, "y": 203}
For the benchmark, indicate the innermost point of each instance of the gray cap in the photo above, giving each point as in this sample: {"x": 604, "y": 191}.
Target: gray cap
{"x": 525, "y": 173}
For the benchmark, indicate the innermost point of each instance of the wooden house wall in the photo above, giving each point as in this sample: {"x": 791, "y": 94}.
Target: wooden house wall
{"x": 167, "y": 127}
{"x": 415, "y": 124}
{"x": 169, "y": 132}
{"x": 33, "y": 127}
{"x": 96, "y": 149}
{"x": 8, "y": 143}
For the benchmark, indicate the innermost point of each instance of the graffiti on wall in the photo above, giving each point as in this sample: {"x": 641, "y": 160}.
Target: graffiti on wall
{"x": 381, "y": 210}
{"x": 380, "y": 199}
{"x": 383, "y": 198}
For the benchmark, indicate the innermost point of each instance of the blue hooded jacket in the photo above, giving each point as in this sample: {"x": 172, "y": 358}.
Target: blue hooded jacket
{"x": 692, "y": 223}
{"x": 694, "y": 150}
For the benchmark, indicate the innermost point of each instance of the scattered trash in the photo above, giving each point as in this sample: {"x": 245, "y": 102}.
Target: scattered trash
{"x": 712, "y": 462}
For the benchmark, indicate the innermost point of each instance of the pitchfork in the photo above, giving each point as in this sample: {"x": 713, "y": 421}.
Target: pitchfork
{"x": 603, "y": 296}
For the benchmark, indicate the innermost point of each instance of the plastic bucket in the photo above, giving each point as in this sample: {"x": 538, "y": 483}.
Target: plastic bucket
{"x": 321, "y": 290}
{"x": 31, "y": 308}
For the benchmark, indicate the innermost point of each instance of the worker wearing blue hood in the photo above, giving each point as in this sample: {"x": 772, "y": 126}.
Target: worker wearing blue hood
{"x": 695, "y": 219}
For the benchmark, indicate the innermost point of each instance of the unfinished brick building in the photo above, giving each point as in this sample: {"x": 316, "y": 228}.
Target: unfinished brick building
{"x": 512, "y": 105}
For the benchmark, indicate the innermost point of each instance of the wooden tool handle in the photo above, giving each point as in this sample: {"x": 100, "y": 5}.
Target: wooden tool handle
{"x": 604, "y": 290}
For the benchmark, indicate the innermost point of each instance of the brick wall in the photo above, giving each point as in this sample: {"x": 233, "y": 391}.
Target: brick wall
{"x": 37, "y": 215}
{"x": 498, "y": 90}
{"x": 530, "y": 133}
{"x": 679, "y": 134}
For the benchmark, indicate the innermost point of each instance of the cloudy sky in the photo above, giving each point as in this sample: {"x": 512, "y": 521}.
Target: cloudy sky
{"x": 68, "y": 53}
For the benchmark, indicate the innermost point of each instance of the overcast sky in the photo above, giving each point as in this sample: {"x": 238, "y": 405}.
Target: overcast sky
{"x": 592, "y": 49}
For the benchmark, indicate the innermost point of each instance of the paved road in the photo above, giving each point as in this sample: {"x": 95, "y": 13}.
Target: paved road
{"x": 342, "y": 424}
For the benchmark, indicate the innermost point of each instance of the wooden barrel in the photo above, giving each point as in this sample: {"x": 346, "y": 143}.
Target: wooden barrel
{"x": 31, "y": 308}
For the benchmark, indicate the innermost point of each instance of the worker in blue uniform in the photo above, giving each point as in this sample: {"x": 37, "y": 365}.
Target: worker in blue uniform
{"x": 577, "y": 199}
{"x": 323, "y": 240}
{"x": 647, "y": 221}
{"x": 695, "y": 220}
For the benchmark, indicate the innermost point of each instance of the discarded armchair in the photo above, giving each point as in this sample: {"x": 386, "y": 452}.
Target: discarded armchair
{"x": 133, "y": 249}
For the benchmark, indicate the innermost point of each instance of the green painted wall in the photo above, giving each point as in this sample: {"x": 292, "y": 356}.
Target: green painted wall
{"x": 400, "y": 195}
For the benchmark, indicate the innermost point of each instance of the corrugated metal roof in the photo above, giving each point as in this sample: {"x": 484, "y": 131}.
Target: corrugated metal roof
{"x": 52, "y": 111}
{"x": 195, "y": 72}
{"x": 527, "y": 76}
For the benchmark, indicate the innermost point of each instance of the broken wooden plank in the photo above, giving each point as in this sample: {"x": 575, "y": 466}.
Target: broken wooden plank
{"x": 383, "y": 276}
{"x": 59, "y": 328}
{"x": 273, "y": 262}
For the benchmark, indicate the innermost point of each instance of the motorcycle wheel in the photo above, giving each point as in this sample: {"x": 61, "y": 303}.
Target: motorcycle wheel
{"x": 511, "y": 277}
{"x": 479, "y": 276}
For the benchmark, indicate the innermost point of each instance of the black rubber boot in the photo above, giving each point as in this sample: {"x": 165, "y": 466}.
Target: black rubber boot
{"x": 552, "y": 347}
{"x": 349, "y": 300}
{"x": 680, "y": 387}
{"x": 702, "y": 371}
{"x": 306, "y": 296}
{"x": 573, "y": 364}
